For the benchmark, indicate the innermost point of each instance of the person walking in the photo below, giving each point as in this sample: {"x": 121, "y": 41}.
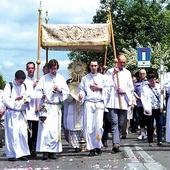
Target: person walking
{"x": 122, "y": 90}
{"x": 16, "y": 100}
{"x": 134, "y": 122}
{"x": 51, "y": 90}
{"x": 32, "y": 112}
{"x": 150, "y": 97}
{"x": 137, "y": 93}
{"x": 92, "y": 93}
{"x": 73, "y": 109}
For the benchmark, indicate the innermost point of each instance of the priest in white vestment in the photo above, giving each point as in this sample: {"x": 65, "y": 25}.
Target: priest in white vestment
{"x": 51, "y": 90}
{"x": 92, "y": 92}
{"x": 73, "y": 117}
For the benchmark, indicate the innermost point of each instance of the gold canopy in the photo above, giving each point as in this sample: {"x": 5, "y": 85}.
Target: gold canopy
{"x": 84, "y": 37}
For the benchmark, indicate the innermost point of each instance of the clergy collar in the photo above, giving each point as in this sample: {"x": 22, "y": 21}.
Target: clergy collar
{"x": 93, "y": 74}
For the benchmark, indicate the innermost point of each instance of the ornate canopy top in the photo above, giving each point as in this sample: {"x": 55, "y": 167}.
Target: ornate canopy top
{"x": 84, "y": 37}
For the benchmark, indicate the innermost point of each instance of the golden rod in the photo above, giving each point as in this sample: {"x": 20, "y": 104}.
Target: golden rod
{"x": 46, "y": 49}
{"x": 115, "y": 57}
{"x": 105, "y": 58}
{"x": 39, "y": 41}
{"x": 38, "y": 53}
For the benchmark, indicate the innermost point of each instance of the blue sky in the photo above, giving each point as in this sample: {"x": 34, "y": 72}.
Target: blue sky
{"x": 18, "y": 30}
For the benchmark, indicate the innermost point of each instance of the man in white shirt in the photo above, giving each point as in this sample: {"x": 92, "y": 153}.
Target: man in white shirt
{"x": 120, "y": 98}
{"x": 32, "y": 114}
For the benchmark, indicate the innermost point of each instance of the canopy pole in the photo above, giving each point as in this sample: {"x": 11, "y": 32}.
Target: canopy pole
{"x": 105, "y": 59}
{"x": 39, "y": 34}
{"x": 115, "y": 57}
{"x": 46, "y": 19}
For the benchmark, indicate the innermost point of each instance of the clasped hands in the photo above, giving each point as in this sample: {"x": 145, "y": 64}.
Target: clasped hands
{"x": 26, "y": 100}
{"x": 95, "y": 87}
{"x": 56, "y": 89}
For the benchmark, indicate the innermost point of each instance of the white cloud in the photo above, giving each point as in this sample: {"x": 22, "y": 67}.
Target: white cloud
{"x": 63, "y": 64}
{"x": 7, "y": 64}
{"x": 18, "y": 30}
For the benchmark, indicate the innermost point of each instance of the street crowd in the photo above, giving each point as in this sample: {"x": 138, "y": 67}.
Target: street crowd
{"x": 88, "y": 109}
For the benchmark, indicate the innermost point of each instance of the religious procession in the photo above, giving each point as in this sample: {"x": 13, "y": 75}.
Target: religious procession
{"x": 94, "y": 103}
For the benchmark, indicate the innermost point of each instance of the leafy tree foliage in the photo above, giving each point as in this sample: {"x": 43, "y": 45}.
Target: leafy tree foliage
{"x": 2, "y": 82}
{"x": 147, "y": 21}
{"x": 158, "y": 53}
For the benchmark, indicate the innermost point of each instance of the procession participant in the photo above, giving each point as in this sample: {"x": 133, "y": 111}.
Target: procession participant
{"x": 137, "y": 92}
{"x": 73, "y": 118}
{"x": 92, "y": 92}
{"x": 16, "y": 100}
{"x": 166, "y": 82}
{"x": 150, "y": 97}
{"x": 51, "y": 90}
{"x": 45, "y": 69}
{"x": 118, "y": 111}
{"x": 32, "y": 114}
{"x": 134, "y": 122}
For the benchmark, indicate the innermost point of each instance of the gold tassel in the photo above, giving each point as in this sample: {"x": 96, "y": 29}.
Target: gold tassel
{"x": 26, "y": 122}
{"x": 98, "y": 137}
{"x": 59, "y": 138}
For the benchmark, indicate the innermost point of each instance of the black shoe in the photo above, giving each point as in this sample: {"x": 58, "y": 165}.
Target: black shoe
{"x": 133, "y": 131}
{"x": 45, "y": 156}
{"x": 33, "y": 154}
{"x": 12, "y": 159}
{"x": 23, "y": 158}
{"x": 92, "y": 153}
{"x": 98, "y": 151}
{"x": 123, "y": 137}
{"x": 116, "y": 148}
{"x": 160, "y": 144}
{"x": 77, "y": 150}
{"x": 52, "y": 156}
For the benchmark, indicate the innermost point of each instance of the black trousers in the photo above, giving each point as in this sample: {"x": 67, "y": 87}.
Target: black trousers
{"x": 159, "y": 122}
{"x": 134, "y": 122}
{"x": 32, "y": 137}
{"x": 106, "y": 126}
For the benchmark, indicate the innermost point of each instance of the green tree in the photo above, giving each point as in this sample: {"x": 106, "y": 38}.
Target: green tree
{"x": 147, "y": 21}
{"x": 158, "y": 53}
{"x": 2, "y": 82}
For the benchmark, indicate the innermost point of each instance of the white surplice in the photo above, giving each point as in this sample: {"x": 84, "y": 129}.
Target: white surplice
{"x": 93, "y": 109}
{"x": 126, "y": 84}
{"x": 31, "y": 115}
{"x": 16, "y": 138}
{"x": 49, "y": 133}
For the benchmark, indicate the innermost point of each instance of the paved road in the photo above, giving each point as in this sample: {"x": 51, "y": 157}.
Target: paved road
{"x": 135, "y": 155}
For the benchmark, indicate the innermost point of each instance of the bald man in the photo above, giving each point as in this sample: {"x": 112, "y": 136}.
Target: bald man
{"x": 121, "y": 87}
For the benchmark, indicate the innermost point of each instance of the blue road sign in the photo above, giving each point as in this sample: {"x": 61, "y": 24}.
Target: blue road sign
{"x": 144, "y": 55}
